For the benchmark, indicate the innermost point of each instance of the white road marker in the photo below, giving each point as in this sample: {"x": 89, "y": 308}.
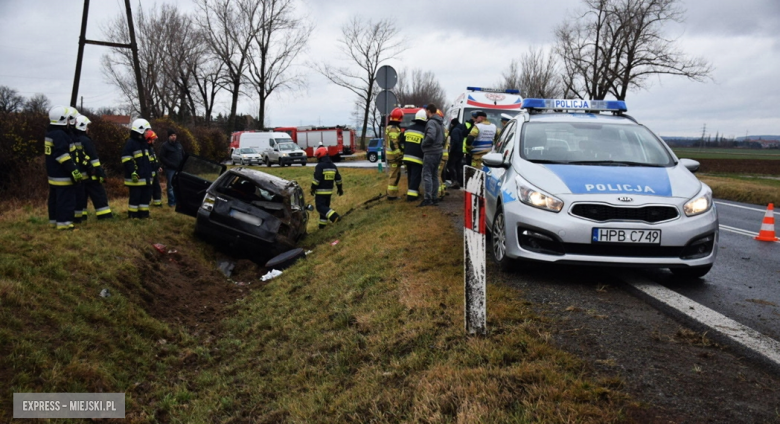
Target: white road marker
{"x": 738, "y": 230}
{"x": 744, "y": 207}
{"x": 745, "y": 336}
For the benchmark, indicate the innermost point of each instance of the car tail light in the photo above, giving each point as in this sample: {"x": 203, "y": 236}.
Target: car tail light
{"x": 208, "y": 202}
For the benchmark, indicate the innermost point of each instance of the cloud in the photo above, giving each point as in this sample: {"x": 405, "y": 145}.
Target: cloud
{"x": 464, "y": 43}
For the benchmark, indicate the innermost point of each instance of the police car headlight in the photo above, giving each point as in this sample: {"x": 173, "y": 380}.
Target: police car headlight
{"x": 699, "y": 204}
{"x": 534, "y": 197}
{"x": 208, "y": 202}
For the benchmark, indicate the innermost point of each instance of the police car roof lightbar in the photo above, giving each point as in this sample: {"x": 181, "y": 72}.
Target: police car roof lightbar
{"x": 575, "y": 104}
{"x": 494, "y": 90}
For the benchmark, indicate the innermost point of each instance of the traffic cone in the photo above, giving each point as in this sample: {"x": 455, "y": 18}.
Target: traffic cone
{"x": 767, "y": 232}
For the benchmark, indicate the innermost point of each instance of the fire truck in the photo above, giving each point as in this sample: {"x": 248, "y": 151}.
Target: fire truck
{"x": 409, "y": 112}
{"x": 339, "y": 140}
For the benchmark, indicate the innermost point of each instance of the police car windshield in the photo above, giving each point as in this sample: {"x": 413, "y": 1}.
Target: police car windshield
{"x": 247, "y": 151}
{"x": 592, "y": 144}
{"x": 493, "y": 116}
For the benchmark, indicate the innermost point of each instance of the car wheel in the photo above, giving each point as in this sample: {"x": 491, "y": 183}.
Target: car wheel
{"x": 691, "y": 273}
{"x": 242, "y": 162}
{"x": 372, "y": 157}
{"x": 232, "y": 162}
{"x": 498, "y": 242}
{"x": 267, "y": 162}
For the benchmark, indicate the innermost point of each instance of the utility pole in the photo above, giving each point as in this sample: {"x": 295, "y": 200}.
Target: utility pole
{"x": 703, "y": 133}
{"x": 133, "y": 46}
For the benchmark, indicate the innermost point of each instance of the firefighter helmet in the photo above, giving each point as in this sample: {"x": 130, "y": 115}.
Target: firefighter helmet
{"x": 420, "y": 115}
{"x": 58, "y": 115}
{"x": 140, "y": 126}
{"x": 321, "y": 152}
{"x": 397, "y": 115}
{"x": 150, "y": 136}
{"x": 72, "y": 114}
{"x": 82, "y": 122}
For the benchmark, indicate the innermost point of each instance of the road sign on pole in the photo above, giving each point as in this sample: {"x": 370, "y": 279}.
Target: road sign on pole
{"x": 475, "y": 281}
{"x": 386, "y": 77}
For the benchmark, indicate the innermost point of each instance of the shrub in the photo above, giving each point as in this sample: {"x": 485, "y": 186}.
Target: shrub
{"x": 22, "y": 164}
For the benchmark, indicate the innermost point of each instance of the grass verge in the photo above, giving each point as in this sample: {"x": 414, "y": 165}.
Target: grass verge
{"x": 743, "y": 188}
{"x": 366, "y": 329}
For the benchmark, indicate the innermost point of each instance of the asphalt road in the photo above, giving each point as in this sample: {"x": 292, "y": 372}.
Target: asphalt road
{"x": 744, "y": 284}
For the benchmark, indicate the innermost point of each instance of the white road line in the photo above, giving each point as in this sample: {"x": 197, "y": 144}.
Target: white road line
{"x": 744, "y": 207}
{"x": 749, "y": 338}
{"x": 738, "y": 230}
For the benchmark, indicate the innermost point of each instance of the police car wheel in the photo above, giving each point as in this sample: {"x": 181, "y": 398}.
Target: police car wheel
{"x": 498, "y": 242}
{"x": 691, "y": 273}
{"x": 372, "y": 157}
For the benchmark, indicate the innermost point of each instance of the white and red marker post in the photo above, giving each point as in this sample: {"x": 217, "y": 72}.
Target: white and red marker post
{"x": 475, "y": 282}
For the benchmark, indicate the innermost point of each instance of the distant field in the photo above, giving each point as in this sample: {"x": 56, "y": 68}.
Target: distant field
{"x": 693, "y": 153}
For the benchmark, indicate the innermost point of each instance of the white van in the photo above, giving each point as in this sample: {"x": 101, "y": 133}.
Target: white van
{"x": 260, "y": 140}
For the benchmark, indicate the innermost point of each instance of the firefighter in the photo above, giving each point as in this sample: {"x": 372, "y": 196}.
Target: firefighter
{"x": 93, "y": 183}
{"x": 63, "y": 174}
{"x": 480, "y": 139}
{"x": 413, "y": 154}
{"x": 325, "y": 175}
{"x": 151, "y": 137}
{"x": 467, "y": 129}
{"x": 82, "y": 164}
{"x": 138, "y": 170}
{"x": 444, "y": 169}
{"x": 395, "y": 156}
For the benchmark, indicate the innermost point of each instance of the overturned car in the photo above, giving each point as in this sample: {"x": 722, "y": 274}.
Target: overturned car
{"x": 241, "y": 209}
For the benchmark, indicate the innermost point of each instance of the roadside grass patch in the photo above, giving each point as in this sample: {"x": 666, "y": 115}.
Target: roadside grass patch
{"x": 368, "y": 329}
{"x": 757, "y": 191}
{"x": 371, "y": 329}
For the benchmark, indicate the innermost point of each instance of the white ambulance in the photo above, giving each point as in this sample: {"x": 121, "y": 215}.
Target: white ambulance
{"x": 493, "y": 102}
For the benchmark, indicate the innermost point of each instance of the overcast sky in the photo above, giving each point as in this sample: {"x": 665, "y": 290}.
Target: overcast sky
{"x": 464, "y": 43}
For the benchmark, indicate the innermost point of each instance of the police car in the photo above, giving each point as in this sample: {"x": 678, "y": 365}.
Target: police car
{"x": 581, "y": 182}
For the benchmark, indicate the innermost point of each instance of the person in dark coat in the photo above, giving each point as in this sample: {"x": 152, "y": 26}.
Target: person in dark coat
{"x": 326, "y": 175}
{"x": 138, "y": 170}
{"x": 93, "y": 183}
{"x": 63, "y": 175}
{"x": 171, "y": 155}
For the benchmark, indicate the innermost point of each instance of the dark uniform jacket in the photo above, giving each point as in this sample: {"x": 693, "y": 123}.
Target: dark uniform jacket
{"x": 413, "y": 137}
{"x": 171, "y": 155}
{"x": 60, "y": 151}
{"x": 325, "y": 175}
{"x": 135, "y": 158}
{"x": 95, "y": 169}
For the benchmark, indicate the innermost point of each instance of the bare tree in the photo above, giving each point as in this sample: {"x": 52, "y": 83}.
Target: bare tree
{"x": 368, "y": 44}
{"x": 155, "y": 48}
{"x": 10, "y": 100}
{"x": 230, "y": 28}
{"x": 208, "y": 77}
{"x": 534, "y": 74}
{"x": 616, "y": 44}
{"x": 419, "y": 88}
{"x": 185, "y": 50}
{"x": 38, "y": 103}
{"x": 281, "y": 37}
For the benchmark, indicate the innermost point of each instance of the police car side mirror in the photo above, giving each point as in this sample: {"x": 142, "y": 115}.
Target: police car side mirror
{"x": 691, "y": 164}
{"x": 494, "y": 160}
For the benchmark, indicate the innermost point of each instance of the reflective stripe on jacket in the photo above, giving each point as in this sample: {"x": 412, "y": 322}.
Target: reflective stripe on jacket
{"x": 413, "y": 137}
